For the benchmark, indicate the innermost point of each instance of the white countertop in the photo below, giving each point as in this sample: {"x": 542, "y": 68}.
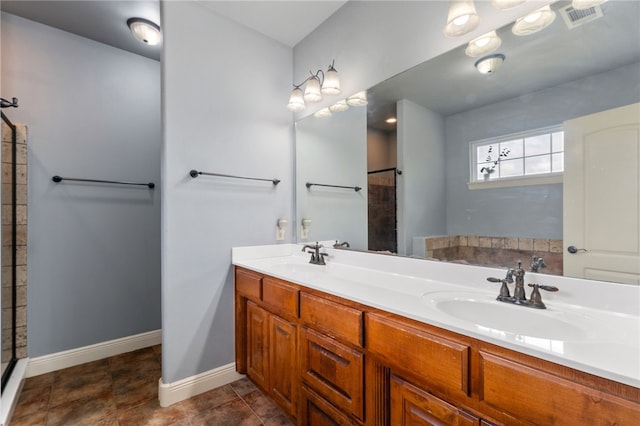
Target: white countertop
{"x": 591, "y": 326}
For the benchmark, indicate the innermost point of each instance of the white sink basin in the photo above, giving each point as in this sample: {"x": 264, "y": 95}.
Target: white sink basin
{"x": 492, "y": 316}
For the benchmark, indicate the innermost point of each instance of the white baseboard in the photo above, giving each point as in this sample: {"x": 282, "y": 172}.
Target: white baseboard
{"x": 12, "y": 391}
{"x": 170, "y": 393}
{"x": 58, "y": 361}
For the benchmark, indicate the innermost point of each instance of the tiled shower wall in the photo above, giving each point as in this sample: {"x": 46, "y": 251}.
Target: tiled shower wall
{"x": 21, "y": 241}
{"x": 504, "y": 252}
{"x": 382, "y": 218}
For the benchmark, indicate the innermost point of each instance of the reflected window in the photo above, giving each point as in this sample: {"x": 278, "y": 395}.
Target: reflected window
{"x": 534, "y": 153}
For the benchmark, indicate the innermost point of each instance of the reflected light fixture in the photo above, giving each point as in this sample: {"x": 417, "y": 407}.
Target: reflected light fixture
{"x": 586, "y": 4}
{"x": 359, "y": 99}
{"x": 462, "y": 18}
{"x": 339, "y": 106}
{"x": 489, "y": 64}
{"x": 322, "y": 113}
{"x": 316, "y": 85}
{"x": 145, "y": 31}
{"x": 534, "y": 22}
{"x": 391, "y": 120}
{"x": 482, "y": 45}
{"x": 506, "y": 4}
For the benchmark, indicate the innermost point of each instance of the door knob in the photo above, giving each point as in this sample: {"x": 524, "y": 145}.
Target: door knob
{"x": 574, "y": 250}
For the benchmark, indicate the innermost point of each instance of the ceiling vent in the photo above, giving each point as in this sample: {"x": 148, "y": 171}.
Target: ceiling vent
{"x": 576, "y": 17}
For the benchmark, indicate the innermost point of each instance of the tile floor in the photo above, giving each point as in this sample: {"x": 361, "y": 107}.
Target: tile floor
{"x": 123, "y": 390}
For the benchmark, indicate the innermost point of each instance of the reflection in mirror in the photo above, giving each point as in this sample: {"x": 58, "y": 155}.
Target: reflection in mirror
{"x": 568, "y": 70}
{"x": 331, "y": 151}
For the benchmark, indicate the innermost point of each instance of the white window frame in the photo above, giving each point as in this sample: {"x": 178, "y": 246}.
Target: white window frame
{"x": 537, "y": 179}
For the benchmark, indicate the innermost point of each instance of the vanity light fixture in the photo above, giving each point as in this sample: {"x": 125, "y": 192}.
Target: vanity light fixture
{"x": 316, "y": 85}
{"x": 339, "y": 106}
{"x": 586, "y": 4}
{"x": 482, "y": 45}
{"x": 489, "y": 64}
{"x": 359, "y": 99}
{"x": 145, "y": 31}
{"x": 534, "y": 22}
{"x": 462, "y": 18}
{"x": 391, "y": 120}
{"x": 323, "y": 113}
{"x": 506, "y": 4}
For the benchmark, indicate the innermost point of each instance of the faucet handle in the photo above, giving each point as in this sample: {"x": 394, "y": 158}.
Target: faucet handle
{"x": 544, "y": 287}
{"x": 504, "y": 289}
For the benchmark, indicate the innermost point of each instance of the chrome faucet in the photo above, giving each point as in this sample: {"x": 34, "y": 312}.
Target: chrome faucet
{"x": 519, "y": 297}
{"x": 317, "y": 258}
{"x": 342, "y": 244}
{"x": 537, "y": 263}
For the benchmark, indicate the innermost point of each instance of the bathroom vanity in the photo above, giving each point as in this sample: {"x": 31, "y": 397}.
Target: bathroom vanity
{"x": 382, "y": 340}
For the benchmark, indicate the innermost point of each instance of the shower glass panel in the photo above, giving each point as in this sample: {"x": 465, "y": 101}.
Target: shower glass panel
{"x": 9, "y": 227}
{"x": 382, "y": 209}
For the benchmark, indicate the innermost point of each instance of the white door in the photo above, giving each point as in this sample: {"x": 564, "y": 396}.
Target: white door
{"x": 602, "y": 196}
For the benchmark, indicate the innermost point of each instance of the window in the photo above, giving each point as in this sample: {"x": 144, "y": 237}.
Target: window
{"x": 520, "y": 158}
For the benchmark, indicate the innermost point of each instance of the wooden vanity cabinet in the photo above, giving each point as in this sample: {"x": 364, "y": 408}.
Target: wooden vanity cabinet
{"x": 330, "y": 361}
{"x": 331, "y": 357}
{"x": 413, "y": 406}
{"x": 269, "y": 341}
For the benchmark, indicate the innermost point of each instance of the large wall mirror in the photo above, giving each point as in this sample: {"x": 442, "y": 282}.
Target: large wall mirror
{"x": 416, "y": 198}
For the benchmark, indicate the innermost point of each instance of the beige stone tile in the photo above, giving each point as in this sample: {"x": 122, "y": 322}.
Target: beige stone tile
{"x": 429, "y": 243}
{"x": 21, "y": 174}
{"x": 6, "y": 214}
{"x": 555, "y": 246}
{"x": 541, "y": 245}
{"x": 525, "y": 244}
{"x": 21, "y": 132}
{"x": 484, "y": 242}
{"x": 21, "y": 275}
{"x": 7, "y": 177}
{"x": 21, "y": 255}
{"x": 463, "y": 240}
{"x": 511, "y": 243}
{"x": 497, "y": 242}
{"x": 473, "y": 241}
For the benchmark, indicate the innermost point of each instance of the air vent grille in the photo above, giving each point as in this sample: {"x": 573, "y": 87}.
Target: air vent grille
{"x": 576, "y": 17}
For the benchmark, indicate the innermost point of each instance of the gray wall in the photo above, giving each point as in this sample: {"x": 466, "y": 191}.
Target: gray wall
{"x": 224, "y": 94}
{"x": 333, "y": 151}
{"x": 92, "y": 111}
{"x": 421, "y": 187}
{"x": 526, "y": 211}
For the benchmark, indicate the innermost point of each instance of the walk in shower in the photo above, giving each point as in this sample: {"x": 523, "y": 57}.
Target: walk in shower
{"x": 13, "y": 236}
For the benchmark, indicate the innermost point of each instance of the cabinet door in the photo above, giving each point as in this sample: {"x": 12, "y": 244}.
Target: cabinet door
{"x": 258, "y": 345}
{"x": 413, "y": 406}
{"x": 334, "y": 370}
{"x": 283, "y": 363}
{"x": 315, "y": 411}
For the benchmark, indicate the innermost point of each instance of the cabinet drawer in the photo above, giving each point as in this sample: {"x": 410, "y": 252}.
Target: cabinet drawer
{"x": 334, "y": 370}
{"x": 280, "y": 296}
{"x": 441, "y": 363}
{"x": 411, "y": 405}
{"x": 334, "y": 319}
{"x": 534, "y": 396}
{"x": 249, "y": 284}
{"x": 315, "y": 411}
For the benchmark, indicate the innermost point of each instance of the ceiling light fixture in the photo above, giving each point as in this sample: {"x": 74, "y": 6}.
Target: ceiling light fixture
{"x": 506, "y": 4}
{"x": 391, "y": 120}
{"x": 145, "y": 31}
{"x": 316, "y": 85}
{"x": 489, "y": 64}
{"x": 482, "y": 45}
{"x": 534, "y": 22}
{"x": 462, "y": 18}
{"x": 586, "y": 4}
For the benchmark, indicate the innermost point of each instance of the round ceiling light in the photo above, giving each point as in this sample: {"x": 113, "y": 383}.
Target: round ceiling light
{"x": 144, "y": 30}
{"x": 490, "y": 64}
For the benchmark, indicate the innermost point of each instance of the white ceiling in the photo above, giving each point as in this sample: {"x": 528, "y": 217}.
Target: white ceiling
{"x": 105, "y": 20}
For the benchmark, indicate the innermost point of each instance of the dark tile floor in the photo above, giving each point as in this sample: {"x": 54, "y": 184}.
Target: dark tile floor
{"x": 123, "y": 390}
